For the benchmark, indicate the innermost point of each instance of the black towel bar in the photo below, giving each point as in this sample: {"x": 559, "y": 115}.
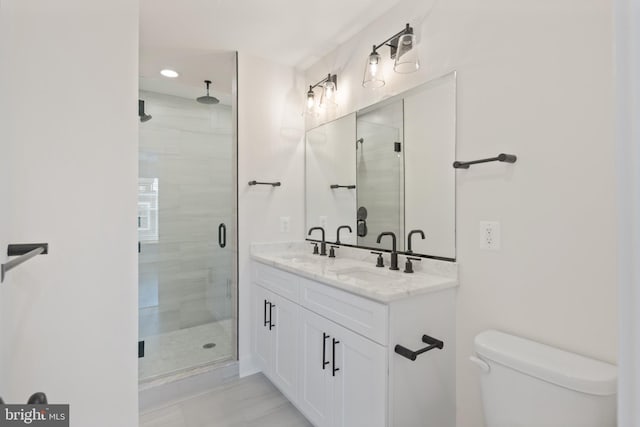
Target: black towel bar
{"x": 25, "y": 252}
{"x": 508, "y": 158}
{"x": 412, "y": 355}
{"x": 274, "y": 184}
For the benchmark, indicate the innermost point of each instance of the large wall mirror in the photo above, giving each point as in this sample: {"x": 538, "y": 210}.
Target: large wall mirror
{"x": 388, "y": 167}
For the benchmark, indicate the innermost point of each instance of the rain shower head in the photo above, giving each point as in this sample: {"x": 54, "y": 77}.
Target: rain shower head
{"x": 144, "y": 117}
{"x": 209, "y": 100}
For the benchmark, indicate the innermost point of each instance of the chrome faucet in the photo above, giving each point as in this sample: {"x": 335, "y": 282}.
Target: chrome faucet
{"x": 394, "y": 252}
{"x": 323, "y": 244}
{"x": 338, "y": 232}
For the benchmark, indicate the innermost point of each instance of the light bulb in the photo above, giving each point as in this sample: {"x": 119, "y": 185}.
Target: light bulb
{"x": 329, "y": 90}
{"x": 167, "y": 72}
{"x": 311, "y": 101}
{"x": 373, "y": 77}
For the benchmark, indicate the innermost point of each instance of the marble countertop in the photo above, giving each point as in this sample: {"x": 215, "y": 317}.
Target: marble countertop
{"x": 353, "y": 270}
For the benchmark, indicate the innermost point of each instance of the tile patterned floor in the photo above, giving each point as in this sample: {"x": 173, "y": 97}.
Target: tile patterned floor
{"x": 248, "y": 402}
{"x": 182, "y": 349}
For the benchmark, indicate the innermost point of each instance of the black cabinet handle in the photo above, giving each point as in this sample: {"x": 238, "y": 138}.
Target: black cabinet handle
{"x": 335, "y": 341}
{"x": 222, "y": 235}
{"x": 271, "y": 324}
{"x": 266, "y": 322}
{"x": 324, "y": 350}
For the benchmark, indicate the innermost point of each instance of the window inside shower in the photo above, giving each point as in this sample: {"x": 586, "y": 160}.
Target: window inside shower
{"x": 186, "y": 217}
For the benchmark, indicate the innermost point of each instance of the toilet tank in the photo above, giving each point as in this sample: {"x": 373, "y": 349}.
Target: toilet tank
{"x": 528, "y": 384}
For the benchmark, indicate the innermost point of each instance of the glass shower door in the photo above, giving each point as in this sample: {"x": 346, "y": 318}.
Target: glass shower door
{"x": 187, "y": 236}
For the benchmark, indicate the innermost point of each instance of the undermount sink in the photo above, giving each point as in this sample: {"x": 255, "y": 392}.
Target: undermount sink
{"x": 298, "y": 258}
{"x": 369, "y": 274}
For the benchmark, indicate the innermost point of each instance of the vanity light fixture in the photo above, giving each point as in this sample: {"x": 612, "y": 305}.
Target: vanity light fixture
{"x": 329, "y": 86}
{"x": 167, "y": 72}
{"x": 402, "y": 49}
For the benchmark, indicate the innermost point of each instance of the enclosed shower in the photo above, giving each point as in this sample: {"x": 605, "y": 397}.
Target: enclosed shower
{"x": 186, "y": 217}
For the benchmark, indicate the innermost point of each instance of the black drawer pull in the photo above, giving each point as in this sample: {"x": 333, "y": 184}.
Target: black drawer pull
{"x": 266, "y": 322}
{"x": 324, "y": 350}
{"x": 335, "y": 341}
{"x": 271, "y": 324}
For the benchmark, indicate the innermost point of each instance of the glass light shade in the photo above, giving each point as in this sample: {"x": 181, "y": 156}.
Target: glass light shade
{"x": 329, "y": 90}
{"x": 407, "y": 55}
{"x": 311, "y": 101}
{"x": 373, "y": 76}
{"x": 327, "y": 99}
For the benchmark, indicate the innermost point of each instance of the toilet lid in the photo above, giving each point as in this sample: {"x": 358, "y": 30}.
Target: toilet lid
{"x": 556, "y": 366}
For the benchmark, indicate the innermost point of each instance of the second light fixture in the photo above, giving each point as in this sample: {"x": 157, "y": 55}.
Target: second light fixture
{"x": 329, "y": 86}
{"x": 402, "y": 46}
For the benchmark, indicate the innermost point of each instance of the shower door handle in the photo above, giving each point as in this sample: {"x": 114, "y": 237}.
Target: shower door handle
{"x": 222, "y": 235}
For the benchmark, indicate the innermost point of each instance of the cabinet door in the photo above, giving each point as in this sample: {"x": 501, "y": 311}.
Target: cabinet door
{"x": 314, "y": 393}
{"x": 359, "y": 381}
{"x": 285, "y": 335}
{"x": 262, "y": 340}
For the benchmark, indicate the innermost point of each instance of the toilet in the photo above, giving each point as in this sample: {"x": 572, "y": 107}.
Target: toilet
{"x": 528, "y": 384}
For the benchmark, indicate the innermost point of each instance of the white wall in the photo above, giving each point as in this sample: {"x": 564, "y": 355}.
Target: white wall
{"x": 69, "y": 90}
{"x": 5, "y": 174}
{"x": 534, "y": 79}
{"x": 627, "y": 60}
{"x": 270, "y": 148}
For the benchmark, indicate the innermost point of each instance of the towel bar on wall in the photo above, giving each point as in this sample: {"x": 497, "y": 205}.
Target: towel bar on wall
{"x": 24, "y": 252}
{"x": 508, "y": 158}
{"x": 274, "y": 184}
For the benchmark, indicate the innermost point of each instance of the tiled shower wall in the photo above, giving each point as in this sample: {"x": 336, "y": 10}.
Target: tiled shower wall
{"x": 186, "y": 166}
{"x": 380, "y": 174}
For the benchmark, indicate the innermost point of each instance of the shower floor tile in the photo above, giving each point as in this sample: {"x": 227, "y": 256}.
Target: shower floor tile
{"x": 181, "y": 350}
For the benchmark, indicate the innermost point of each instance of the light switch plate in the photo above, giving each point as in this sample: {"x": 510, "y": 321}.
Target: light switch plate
{"x": 490, "y": 235}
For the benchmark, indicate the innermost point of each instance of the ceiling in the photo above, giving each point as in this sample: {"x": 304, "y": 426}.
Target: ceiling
{"x": 186, "y": 34}
{"x": 194, "y": 66}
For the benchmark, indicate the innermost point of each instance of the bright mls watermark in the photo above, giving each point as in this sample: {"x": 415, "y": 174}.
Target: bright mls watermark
{"x": 34, "y": 415}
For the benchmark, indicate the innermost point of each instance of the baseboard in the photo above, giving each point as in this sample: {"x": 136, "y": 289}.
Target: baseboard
{"x": 174, "y": 389}
{"x": 247, "y": 367}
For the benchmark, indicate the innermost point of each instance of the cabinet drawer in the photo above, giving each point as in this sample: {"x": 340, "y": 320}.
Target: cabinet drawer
{"x": 278, "y": 281}
{"x": 359, "y": 314}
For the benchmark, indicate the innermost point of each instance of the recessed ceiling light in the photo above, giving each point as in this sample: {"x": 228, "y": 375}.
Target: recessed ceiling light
{"x": 172, "y": 74}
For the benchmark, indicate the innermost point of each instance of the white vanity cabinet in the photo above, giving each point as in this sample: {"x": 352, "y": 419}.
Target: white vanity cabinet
{"x": 342, "y": 375}
{"x": 331, "y": 352}
{"x": 275, "y": 338}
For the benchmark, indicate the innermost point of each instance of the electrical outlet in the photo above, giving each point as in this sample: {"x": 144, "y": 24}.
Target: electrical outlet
{"x": 285, "y": 224}
{"x": 490, "y": 235}
{"x": 323, "y": 222}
